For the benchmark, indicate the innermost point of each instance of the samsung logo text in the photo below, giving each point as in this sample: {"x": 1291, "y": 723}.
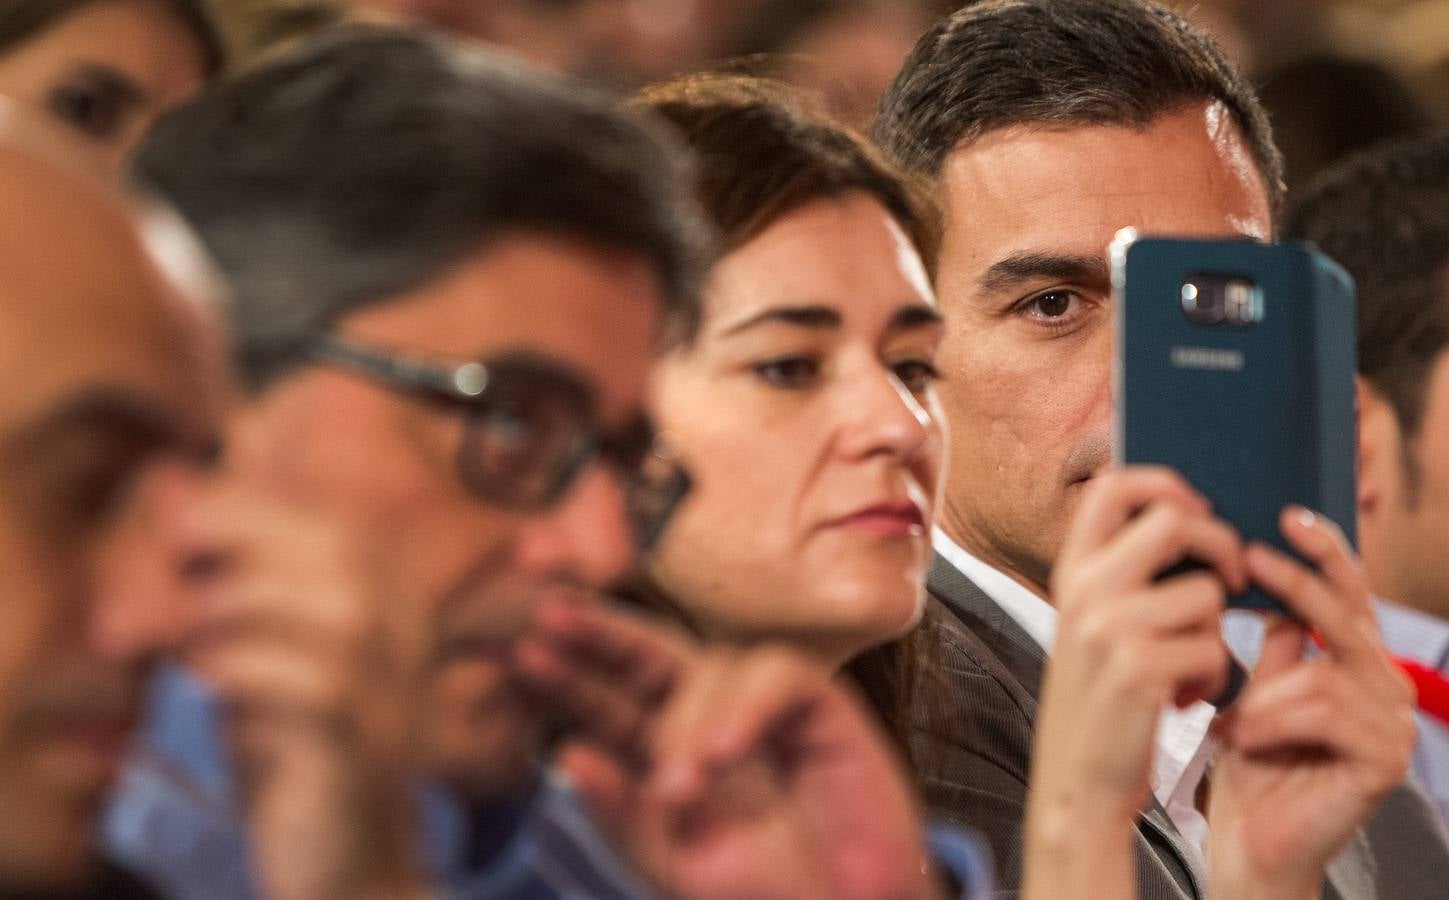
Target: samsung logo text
{"x": 1207, "y": 358}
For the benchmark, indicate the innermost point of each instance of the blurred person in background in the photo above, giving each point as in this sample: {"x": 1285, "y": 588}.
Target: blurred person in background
{"x": 105, "y": 69}
{"x": 1140, "y": 122}
{"x": 256, "y": 28}
{"x": 447, "y": 349}
{"x": 622, "y": 42}
{"x": 846, "y": 52}
{"x": 1326, "y": 107}
{"x": 1384, "y": 215}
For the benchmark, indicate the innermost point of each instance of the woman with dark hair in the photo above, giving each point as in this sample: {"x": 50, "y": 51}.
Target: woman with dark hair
{"x": 804, "y": 405}
{"x": 106, "y": 69}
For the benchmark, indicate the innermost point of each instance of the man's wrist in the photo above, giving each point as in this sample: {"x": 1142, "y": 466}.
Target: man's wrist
{"x": 1234, "y": 878}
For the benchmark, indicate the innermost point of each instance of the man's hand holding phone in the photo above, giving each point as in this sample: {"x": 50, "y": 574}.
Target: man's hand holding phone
{"x": 1316, "y": 741}
{"x": 1129, "y": 642}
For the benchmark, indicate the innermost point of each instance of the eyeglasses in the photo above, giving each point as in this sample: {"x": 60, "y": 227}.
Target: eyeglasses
{"x": 529, "y": 431}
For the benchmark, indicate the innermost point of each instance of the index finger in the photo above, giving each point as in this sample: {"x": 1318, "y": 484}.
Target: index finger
{"x": 1323, "y": 543}
{"x": 640, "y": 656}
{"x": 1317, "y": 602}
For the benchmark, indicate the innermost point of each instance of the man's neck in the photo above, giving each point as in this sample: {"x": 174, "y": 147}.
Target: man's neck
{"x": 968, "y": 538}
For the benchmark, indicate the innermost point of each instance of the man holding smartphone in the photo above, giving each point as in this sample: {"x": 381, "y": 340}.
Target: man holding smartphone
{"x": 1049, "y": 126}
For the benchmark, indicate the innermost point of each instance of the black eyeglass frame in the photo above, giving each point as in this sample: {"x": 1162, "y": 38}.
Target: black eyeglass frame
{"x": 469, "y": 387}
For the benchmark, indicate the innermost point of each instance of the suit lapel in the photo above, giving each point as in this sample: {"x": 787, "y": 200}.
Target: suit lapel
{"x": 1018, "y": 651}
{"x": 1155, "y": 827}
{"x": 1025, "y": 661}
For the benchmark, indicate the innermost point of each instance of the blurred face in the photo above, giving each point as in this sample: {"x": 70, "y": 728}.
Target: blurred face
{"x": 806, "y": 414}
{"x": 106, "y": 72}
{"x": 1023, "y": 282}
{"x": 387, "y": 463}
{"x": 1404, "y": 497}
{"x": 104, "y": 425}
{"x": 851, "y": 58}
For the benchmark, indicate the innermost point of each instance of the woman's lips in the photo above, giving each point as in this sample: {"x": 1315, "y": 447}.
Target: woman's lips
{"x": 885, "y": 519}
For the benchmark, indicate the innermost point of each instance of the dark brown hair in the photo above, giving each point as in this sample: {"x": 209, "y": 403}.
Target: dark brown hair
{"x": 998, "y": 63}
{"x": 760, "y": 152}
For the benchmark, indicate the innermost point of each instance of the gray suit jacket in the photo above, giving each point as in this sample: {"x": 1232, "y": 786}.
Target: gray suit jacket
{"x": 972, "y": 740}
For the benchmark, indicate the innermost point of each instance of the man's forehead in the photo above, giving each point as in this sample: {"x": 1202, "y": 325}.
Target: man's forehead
{"x": 97, "y": 313}
{"x": 1067, "y": 190}
{"x": 1198, "y": 147}
{"x": 581, "y": 308}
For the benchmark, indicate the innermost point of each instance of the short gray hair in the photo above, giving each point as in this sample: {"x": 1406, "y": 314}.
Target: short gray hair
{"x": 365, "y": 164}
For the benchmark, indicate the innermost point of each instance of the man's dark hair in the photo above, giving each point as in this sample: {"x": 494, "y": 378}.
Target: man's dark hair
{"x": 21, "y": 20}
{"x": 998, "y": 63}
{"x": 368, "y": 163}
{"x": 1384, "y": 215}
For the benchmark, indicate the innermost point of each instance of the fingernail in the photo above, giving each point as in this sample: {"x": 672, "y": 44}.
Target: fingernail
{"x": 1305, "y": 516}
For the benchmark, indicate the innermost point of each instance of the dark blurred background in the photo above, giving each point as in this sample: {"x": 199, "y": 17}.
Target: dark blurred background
{"x": 1336, "y": 74}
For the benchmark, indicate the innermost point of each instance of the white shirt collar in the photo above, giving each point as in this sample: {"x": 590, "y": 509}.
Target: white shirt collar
{"x": 1036, "y": 616}
{"x": 1183, "y": 747}
{"x": 1414, "y": 634}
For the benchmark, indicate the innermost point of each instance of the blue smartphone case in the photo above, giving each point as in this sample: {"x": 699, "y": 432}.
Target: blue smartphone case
{"x": 1255, "y": 416}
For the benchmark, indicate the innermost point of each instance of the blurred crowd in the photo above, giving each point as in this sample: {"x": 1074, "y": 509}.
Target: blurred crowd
{"x": 664, "y": 448}
{"x": 1335, "y": 76}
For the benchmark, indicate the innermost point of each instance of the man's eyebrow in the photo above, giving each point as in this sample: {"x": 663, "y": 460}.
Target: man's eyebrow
{"x": 1021, "y": 267}
{"x": 107, "y": 409}
{"x": 814, "y": 316}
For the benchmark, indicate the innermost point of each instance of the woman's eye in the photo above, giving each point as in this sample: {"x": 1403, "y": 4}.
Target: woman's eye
{"x": 788, "y": 372}
{"x": 916, "y": 375}
{"x": 93, "y": 110}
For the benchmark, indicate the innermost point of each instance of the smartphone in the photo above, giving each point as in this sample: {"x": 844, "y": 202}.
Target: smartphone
{"x": 1235, "y": 366}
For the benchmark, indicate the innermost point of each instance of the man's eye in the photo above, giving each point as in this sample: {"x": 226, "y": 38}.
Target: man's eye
{"x": 916, "y": 375}
{"x": 93, "y": 110}
{"x": 791, "y": 372}
{"x": 1052, "y": 305}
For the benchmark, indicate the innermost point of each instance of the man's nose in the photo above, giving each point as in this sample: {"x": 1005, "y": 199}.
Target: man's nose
{"x": 587, "y": 535}
{"x": 153, "y": 563}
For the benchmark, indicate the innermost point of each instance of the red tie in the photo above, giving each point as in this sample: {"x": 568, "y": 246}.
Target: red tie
{"x": 1431, "y": 688}
{"x": 1430, "y": 685}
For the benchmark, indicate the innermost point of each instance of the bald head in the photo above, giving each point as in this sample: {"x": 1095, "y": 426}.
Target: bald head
{"x": 84, "y": 295}
{"x": 112, "y": 385}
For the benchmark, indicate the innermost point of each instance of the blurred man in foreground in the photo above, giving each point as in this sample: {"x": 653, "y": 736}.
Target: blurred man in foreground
{"x": 111, "y": 410}
{"x": 450, "y": 274}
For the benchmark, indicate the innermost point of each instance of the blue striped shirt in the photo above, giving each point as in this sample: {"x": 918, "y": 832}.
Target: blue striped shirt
{"x": 175, "y": 820}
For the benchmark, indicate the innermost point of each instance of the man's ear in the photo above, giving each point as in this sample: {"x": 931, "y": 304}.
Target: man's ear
{"x": 1379, "y": 450}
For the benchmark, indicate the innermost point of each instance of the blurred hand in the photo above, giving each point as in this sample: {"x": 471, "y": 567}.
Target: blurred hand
{"x": 1314, "y": 744}
{"x": 315, "y": 663}
{"x": 726, "y": 773}
{"x": 1127, "y": 645}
